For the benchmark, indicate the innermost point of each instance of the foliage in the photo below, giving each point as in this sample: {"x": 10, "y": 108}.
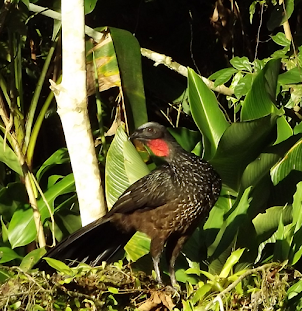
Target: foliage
{"x": 249, "y": 250}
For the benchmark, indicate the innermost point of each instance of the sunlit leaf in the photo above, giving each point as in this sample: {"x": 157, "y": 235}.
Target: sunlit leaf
{"x": 58, "y": 265}
{"x": 8, "y": 157}
{"x": 259, "y": 101}
{"x": 138, "y": 246}
{"x": 231, "y": 261}
{"x": 291, "y": 161}
{"x": 222, "y": 76}
{"x": 281, "y": 39}
{"x": 21, "y": 229}
{"x": 105, "y": 60}
{"x": 206, "y": 113}
{"x": 129, "y": 61}
{"x": 241, "y": 143}
{"x": 241, "y": 63}
{"x": 7, "y": 254}
{"x": 231, "y": 225}
{"x": 32, "y": 258}
{"x": 60, "y": 156}
{"x": 123, "y": 167}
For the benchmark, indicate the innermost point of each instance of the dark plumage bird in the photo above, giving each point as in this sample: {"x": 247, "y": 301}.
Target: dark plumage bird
{"x": 167, "y": 205}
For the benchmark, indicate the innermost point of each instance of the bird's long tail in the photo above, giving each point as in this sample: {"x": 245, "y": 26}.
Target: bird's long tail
{"x": 92, "y": 244}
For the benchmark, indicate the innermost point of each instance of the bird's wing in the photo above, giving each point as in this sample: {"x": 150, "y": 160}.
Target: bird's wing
{"x": 149, "y": 192}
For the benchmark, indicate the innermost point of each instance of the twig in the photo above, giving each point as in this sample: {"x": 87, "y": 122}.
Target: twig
{"x": 258, "y": 32}
{"x": 48, "y": 207}
{"x": 235, "y": 283}
{"x": 168, "y": 62}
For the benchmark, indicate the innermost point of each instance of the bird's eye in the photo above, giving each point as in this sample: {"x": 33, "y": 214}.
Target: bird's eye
{"x": 150, "y": 130}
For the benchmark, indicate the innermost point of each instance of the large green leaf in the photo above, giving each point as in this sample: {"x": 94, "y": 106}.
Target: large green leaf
{"x": 59, "y": 157}
{"x": 129, "y": 61}
{"x": 188, "y": 139}
{"x": 278, "y": 17}
{"x": 21, "y": 229}
{"x": 259, "y": 101}
{"x": 7, "y": 254}
{"x": 11, "y": 197}
{"x": 216, "y": 216}
{"x": 8, "y": 157}
{"x": 291, "y": 161}
{"x": 297, "y": 223}
{"x": 262, "y": 165}
{"x": 206, "y": 113}
{"x": 235, "y": 218}
{"x": 267, "y": 223}
{"x": 123, "y": 166}
{"x": 102, "y": 59}
{"x": 241, "y": 143}
{"x": 31, "y": 259}
{"x": 291, "y": 76}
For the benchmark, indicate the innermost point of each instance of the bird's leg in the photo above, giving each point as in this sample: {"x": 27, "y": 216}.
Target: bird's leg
{"x": 156, "y": 249}
{"x": 156, "y": 261}
{"x": 174, "y": 245}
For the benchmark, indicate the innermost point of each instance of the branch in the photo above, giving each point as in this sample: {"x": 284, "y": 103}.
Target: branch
{"x": 168, "y": 62}
{"x": 26, "y": 173}
{"x": 219, "y": 297}
{"x": 156, "y": 57}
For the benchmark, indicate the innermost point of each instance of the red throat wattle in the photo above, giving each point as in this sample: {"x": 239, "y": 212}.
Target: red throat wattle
{"x": 159, "y": 147}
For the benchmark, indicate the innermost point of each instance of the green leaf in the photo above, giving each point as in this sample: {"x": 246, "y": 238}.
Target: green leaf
{"x": 188, "y": 139}
{"x": 267, "y": 223}
{"x": 59, "y": 266}
{"x": 102, "y": 58}
{"x": 206, "y": 113}
{"x": 11, "y": 197}
{"x": 241, "y": 143}
{"x": 31, "y": 259}
{"x": 138, "y": 246}
{"x": 278, "y": 17}
{"x": 222, "y": 76}
{"x": 297, "y": 223}
{"x": 5, "y": 274}
{"x": 291, "y": 76}
{"x": 297, "y": 215}
{"x": 8, "y": 157}
{"x": 232, "y": 223}
{"x": 294, "y": 290}
{"x": 230, "y": 263}
{"x": 21, "y": 229}
{"x": 89, "y": 6}
{"x": 280, "y": 39}
{"x": 201, "y": 292}
{"x": 284, "y": 130}
{"x": 283, "y": 237}
{"x": 113, "y": 290}
{"x": 244, "y": 85}
{"x": 129, "y": 61}
{"x": 241, "y": 63}
{"x": 123, "y": 167}
{"x": 291, "y": 161}
{"x": 259, "y": 101}
{"x": 61, "y": 156}
{"x": 216, "y": 216}
{"x": 7, "y": 254}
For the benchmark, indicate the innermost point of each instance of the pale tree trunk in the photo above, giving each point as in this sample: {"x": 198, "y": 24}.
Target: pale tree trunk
{"x": 72, "y": 107}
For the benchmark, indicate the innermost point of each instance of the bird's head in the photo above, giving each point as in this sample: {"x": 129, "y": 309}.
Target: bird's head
{"x": 156, "y": 138}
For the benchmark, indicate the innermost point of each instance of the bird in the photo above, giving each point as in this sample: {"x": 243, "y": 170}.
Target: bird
{"x": 167, "y": 205}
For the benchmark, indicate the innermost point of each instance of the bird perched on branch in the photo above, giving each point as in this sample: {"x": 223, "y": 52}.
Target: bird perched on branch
{"x": 167, "y": 205}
